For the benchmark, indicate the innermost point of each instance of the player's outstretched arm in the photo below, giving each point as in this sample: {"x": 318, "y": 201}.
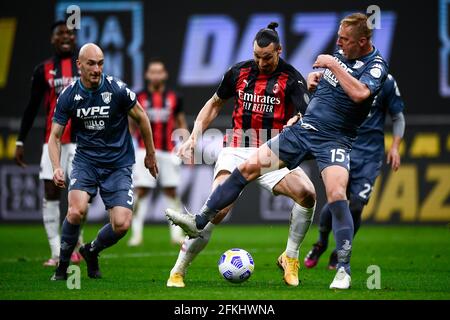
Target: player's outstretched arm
{"x": 137, "y": 114}
{"x": 355, "y": 89}
{"x": 54, "y": 151}
{"x": 398, "y": 129}
{"x": 204, "y": 118}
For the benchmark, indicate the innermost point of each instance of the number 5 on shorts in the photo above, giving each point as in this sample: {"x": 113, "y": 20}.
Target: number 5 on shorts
{"x": 130, "y": 194}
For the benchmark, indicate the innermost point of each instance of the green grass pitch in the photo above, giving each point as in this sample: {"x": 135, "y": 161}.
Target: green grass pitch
{"x": 414, "y": 263}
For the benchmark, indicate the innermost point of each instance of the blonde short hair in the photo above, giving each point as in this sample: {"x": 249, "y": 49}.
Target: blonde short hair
{"x": 359, "y": 23}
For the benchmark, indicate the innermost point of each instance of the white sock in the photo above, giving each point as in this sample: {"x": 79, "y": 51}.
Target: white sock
{"x": 190, "y": 249}
{"x": 176, "y": 233}
{"x": 301, "y": 219}
{"x": 141, "y": 208}
{"x": 50, "y": 215}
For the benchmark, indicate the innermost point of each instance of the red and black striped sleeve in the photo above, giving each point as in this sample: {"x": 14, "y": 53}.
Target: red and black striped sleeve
{"x": 38, "y": 88}
{"x": 227, "y": 86}
{"x": 179, "y": 104}
{"x": 297, "y": 92}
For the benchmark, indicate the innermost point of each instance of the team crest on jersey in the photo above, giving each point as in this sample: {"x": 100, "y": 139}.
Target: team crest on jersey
{"x": 276, "y": 88}
{"x": 358, "y": 64}
{"x": 106, "y": 96}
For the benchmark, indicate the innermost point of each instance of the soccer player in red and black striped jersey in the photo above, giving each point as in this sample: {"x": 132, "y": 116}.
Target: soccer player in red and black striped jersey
{"x": 165, "y": 110}
{"x": 267, "y": 92}
{"x": 49, "y": 79}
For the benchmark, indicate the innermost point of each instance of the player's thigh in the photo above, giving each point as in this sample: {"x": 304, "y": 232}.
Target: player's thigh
{"x": 84, "y": 177}
{"x": 141, "y": 175}
{"x": 293, "y": 183}
{"x": 169, "y": 167}
{"x": 262, "y": 161}
{"x": 335, "y": 179}
{"x": 363, "y": 174}
{"x": 116, "y": 188}
{"x": 229, "y": 159}
{"x": 289, "y": 148}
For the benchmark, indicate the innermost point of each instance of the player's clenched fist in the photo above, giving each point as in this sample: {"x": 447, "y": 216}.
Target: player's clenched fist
{"x": 324, "y": 61}
{"x": 150, "y": 164}
{"x": 59, "y": 178}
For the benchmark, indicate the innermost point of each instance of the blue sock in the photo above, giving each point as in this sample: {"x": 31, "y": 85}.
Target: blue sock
{"x": 106, "y": 237}
{"x": 356, "y": 208}
{"x": 69, "y": 239}
{"x": 325, "y": 225}
{"x": 224, "y": 195}
{"x": 343, "y": 232}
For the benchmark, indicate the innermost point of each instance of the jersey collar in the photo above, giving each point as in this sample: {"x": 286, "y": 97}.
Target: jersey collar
{"x": 102, "y": 81}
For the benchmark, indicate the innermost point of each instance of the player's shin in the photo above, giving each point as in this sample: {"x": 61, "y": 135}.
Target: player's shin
{"x": 343, "y": 232}
{"x": 300, "y": 222}
{"x": 137, "y": 224}
{"x": 356, "y": 208}
{"x": 224, "y": 195}
{"x": 176, "y": 233}
{"x": 190, "y": 249}
{"x": 106, "y": 237}
{"x": 50, "y": 214}
{"x": 325, "y": 226}
{"x": 69, "y": 238}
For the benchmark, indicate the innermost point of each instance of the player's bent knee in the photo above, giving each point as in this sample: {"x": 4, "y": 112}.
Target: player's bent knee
{"x": 121, "y": 225}
{"x": 336, "y": 195}
{"x": 75, "y": 215}
{"x": 250, "y": 171}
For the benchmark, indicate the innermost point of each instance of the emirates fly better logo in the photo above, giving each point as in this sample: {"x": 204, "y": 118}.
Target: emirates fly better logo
{"x": 257, "y": 102}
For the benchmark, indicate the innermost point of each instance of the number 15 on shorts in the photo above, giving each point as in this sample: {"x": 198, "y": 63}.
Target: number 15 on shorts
{"x": 340, "y": 156}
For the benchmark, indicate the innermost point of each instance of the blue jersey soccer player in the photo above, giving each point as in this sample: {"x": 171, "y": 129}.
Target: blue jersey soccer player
{"x": 366, "y": 159}
{"x": 341, "y": 102}
{"x": 99, "y": 106}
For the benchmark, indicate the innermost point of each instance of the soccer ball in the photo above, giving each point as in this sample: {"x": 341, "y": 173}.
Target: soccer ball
{"x": 236, "y": 265}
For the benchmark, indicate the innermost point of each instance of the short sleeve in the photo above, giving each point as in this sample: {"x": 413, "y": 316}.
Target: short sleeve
{"x": 297, "y": 93}
{"x": 179, "y": 105}
{"x": 63, "y": 108}
{"x": 226, "y": 88}
{"x": 127, "y": 97}
{"x": 374, "y": 76}
{"x": 393, "y": 97}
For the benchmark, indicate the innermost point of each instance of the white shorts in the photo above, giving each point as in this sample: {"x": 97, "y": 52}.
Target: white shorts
{"x": 169, "y": 167}
{"x": 230, "y": 158}
{"x": 67, "y": 154}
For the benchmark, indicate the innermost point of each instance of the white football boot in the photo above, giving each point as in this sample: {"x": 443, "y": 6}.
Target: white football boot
{"x": 342, "y": 280}
{"x": 186, "y": 221}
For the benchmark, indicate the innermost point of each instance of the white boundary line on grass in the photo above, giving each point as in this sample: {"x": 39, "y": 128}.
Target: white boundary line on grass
{"x": 137, "y": 255}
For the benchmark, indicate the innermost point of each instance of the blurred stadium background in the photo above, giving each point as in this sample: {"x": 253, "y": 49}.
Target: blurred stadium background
{"x": 199, "y": 40}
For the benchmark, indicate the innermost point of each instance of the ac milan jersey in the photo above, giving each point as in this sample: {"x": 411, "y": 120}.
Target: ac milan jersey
{"x": 99, "y": 122}
{"x": 331, "y": 111}
{"x": 162, "y": 109}
{"x": 263, "y": 103}
{"x": 49, "y": 79}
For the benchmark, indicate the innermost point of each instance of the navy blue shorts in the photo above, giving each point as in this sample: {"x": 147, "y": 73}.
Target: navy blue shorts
{"x": 363, "y": 173}
{"x": 295, "y": 144}
{"x": 116, "y": 185}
